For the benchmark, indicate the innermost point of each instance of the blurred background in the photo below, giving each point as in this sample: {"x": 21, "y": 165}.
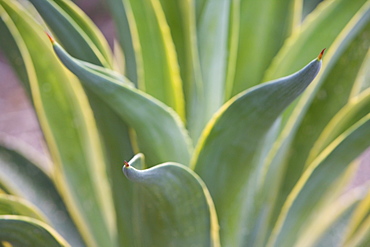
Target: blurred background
{"x": 18, "y": 119}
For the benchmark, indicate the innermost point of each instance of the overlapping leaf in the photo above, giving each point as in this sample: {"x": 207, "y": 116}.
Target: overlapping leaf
{"x": 124, "y": 37}
{"x": 224, "y": 158}
{"x": 23, "y": 178}
{"x": 318, "y": 31}
{"x": 160, "y": 132}
{"x": 330, "y": 225}
{"x": 280, "y": 176}
{"x": 314, "y": 184}
{"x": 69, "y": 130}
{"x": 169, "y": 213}
{"x": 25, "y": 231}
{"x": 12, "y": 205}
{"x": 156, "y": 60}
{"x": 259, "y": 42}
{"x": 77, "y": 32}
{"x": 212, "y": 37}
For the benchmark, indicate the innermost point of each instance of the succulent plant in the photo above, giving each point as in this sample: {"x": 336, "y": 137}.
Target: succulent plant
{"x": 245, "y": 142}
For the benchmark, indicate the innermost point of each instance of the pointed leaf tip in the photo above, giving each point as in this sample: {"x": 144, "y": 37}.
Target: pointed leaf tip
{"x": 50, "y": 38}
{"x": 319, "y": 57}
{"x": 126, "y": 164}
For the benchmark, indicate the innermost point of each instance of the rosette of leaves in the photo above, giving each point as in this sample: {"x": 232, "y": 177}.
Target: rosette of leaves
{"x": 245, "y": 142}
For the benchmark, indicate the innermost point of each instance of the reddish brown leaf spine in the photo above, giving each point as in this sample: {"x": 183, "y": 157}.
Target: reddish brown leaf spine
{"x": 126, "y": 164}
{"x": 321, "y": 54}
{"x": 50, "y": 38}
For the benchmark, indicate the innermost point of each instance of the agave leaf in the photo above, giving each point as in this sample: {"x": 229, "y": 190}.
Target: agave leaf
{"x": 329, "y": 226}
{"x": 333, "y": 92}
{"x": 25, "y": 231}
{"x": 161, "y": 135}
{"x": 156, "y": 61}
{"x": 70, "y": 132}
{"x": 358, "y": 230}
{"x": 308, "y": 6}
{"x": 363, "y": 78}
{"x": 124, "y": 37}
{"x": 212, "y": 37}
{"x": 169, "y": 213}
{"x": 113, "y": 130}
{"x": 275, "y": 162}
{"x": 269, "y": 23}
{"x": 356, "y": 109}
{"x": 12, "y": 205}
{"x": 314, "y": 183}
{"x": 10, "y": 49}
{"x": 224, "y": 156}
{"x": 180, "y": 17}
{"x": 361, "y": 237}
{"x": 21, "y": 177}
{"x": 75, "y": 30}
{"x": 317, "y": 31}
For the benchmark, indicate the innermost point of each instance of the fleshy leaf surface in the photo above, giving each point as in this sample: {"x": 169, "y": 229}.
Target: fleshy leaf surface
{"x": 75, "y": 30}
{"x": 224, "y": 155}
{"x": 317, "y": 179}
{"x": 330, "y": 224}
{"x": 156, "y": 59}
{"x": 21, "y": 231}
{"x": 21, "y": 177}
{"x": 160, "y": 132}
{"x": 12, "y": 205}
{"x": 69, "y": 130}
{"x": 173, "y": 206}
{"x": 256, "y": 48}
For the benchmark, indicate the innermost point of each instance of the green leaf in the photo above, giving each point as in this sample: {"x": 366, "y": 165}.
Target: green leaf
{"x": 70, "y": 132}
{"x": 224, "y": 156}
{"x": 161, "y": 135}
{"x": 264, "y": 26}
{"x": 333, "y": 94}
{"x": 181, "y": 21}
{"x": 114, "y": 132}
{"x": 317, "y": 31}
{"x": 292, "y": 119}
{"x": 310, "y": 190}
{"x": 157, "y": 65}
{"x": 212, "y": 37}
{"x": 12, "y": 52}
{"x": 117, "y": 147}
{"x": 359, "y": 227}
{"x": 332, "y": 91}
{"x": 357, "y": 108}
{"x": 330, "y": 224}
{"x": 19, "y": 231}
{"x": 111, "y": 127}
{"x": 180, "y": 17}
{"x": 21, "y": 176}
{"x": 169, "y": 213}
{"x": 12, "y": 205}
{"x": 124, "y": 37}
{"x": 308, "y": 6}
{"x": 363, "y": 78}
{"x": 75, "y": 31}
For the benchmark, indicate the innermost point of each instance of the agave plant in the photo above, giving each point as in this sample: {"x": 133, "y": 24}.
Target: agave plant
{"x": 245, "y": 142}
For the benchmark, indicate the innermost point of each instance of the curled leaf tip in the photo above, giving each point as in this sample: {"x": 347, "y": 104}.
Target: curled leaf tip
{"x": 50, "y": 38}
{"x": 321, "y": 54}
{"x": 126, "y": 164}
